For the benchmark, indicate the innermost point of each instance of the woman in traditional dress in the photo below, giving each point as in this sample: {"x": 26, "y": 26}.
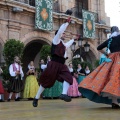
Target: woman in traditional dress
{"x": 73, "y": 89}
{"x": 103, "y": 84}
{"x": 1, "y": 87}
{"x": 31, "y": 84}
{"x": 48, "y": 59}
{"x": 87, "y": 70}
{"x": 81, "y": 73}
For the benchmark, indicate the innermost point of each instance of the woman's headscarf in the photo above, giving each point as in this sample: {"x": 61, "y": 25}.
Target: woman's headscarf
{"x": 114, "y": 31}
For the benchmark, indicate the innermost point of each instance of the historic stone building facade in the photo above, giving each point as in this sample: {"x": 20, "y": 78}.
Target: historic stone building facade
{"x": 21, "y": 25}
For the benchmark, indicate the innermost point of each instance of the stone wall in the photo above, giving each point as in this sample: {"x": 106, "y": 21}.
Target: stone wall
{"x": 21, "y": 26}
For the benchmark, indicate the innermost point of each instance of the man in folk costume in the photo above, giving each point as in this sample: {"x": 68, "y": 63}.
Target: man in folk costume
{"x": 56, "y": 68}
{"x": 16, "y": 84}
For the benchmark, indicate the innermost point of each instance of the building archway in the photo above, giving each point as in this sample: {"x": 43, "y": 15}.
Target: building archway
{"x": 31, "y": 52}
{"x": 0, "y": 52}
{"x": 33, "y": 42}
{"x": 86, "y": 56}
{"x": 2, "y": 42}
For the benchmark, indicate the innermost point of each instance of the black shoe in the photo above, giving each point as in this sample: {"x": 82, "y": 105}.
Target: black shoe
{"x": 17, "y": 99}
{"x": 8, "y": 99}
{"x": 65, "y": 97}
{"x": 2, "y": 100}
{"x": 35, "y": 102}
{"x": 115, "y": 106}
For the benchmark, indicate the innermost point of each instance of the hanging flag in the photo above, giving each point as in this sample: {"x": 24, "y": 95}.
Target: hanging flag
{"x": 88, "y": 24}
{"x": 44, "y": 16}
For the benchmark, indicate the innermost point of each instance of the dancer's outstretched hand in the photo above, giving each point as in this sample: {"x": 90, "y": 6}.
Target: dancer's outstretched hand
{"x": 68, "y": 20}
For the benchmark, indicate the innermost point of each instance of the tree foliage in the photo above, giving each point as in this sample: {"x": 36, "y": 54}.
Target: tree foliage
{"x": 45, "y": 51}
{"x": 75, "y": 63}
{"x": 11, "y": 49}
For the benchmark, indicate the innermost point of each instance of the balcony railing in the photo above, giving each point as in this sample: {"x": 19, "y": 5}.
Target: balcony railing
{"x": 29, "y": 2}
{"x": 56, "y": 6}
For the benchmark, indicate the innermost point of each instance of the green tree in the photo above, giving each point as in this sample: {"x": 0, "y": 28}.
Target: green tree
{"x": 75, "y": 63}
{"x": 45, "y": 51}
{"x": 96, "y": 63}
{"x": 11, "y": 49}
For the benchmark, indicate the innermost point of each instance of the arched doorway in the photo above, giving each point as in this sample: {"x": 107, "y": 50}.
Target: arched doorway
{"x": 31, "y": 52}
{"x": 86, "y": 56}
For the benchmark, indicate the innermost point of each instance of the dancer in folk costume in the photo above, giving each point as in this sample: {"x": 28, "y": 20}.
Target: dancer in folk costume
{"x": 31, "y": 84}
{"x": 16, "y": 77}
{"x": 1, "y": 87}
{"x": 103, "y": 84}
{"x": 81, "y": 73}
{"x": 73, "y": 89}
{"x": 56, "y": 68}
{"x": 55, "y": 90}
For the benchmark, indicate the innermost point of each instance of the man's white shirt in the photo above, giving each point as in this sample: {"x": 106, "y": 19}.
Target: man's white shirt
{"x": 57, "y": 39}
{"x": 12, "y": 73}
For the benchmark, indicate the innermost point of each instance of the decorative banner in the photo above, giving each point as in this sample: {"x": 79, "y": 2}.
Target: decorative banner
{"x": 44, "y": 17}
{"x": 88, "y": 24}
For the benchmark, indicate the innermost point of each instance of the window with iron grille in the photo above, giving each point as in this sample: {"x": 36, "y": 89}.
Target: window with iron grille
{"x": 81, "y": 4}
{"x": 29, "y": 2}
{"x": 32, "y": 2}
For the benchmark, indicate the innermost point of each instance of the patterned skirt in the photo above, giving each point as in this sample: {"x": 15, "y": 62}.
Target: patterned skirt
{"x": 15, "y": 85}
{"x": 73, "y": 89}
{"x": 54, "y": 91}
{"x": 31, "y": 87}
{"x": 1, "y": 88}
{"x": 104, "y": 82}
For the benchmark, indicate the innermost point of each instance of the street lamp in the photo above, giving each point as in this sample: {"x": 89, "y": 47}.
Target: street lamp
{"x": 80, "y": 42}
{"x": 80, "y": 45}
{"x": 86, "y": 47}
{"x": 73, "y": 47}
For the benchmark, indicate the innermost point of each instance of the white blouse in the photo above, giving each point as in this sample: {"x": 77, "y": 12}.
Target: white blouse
{"x": 43, "y": 66}
{"x": 70, "y": 69}
{"x": 87, "y": 71}
{"x": 12, "y": 73}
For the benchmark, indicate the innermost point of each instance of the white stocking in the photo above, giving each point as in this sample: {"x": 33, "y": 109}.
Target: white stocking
{"x": 114, "y": 100}
{"x": 10, "y": 95}
{"x": 19, "y": 94}
{"x": 65, "y": 87}
{"x": 41, "y": 89}
{"x": 0, "y": 97}
{"x": 16, "y": 95}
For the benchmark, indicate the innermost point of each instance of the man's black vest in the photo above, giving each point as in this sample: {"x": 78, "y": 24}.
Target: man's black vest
{"x": 57, "y": 53}
{"x": 58, "y": 50}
